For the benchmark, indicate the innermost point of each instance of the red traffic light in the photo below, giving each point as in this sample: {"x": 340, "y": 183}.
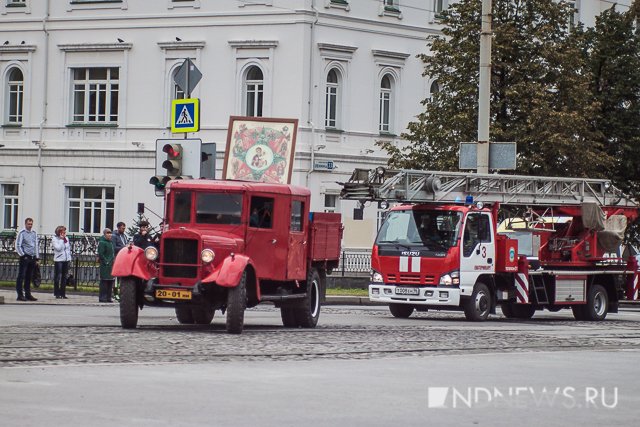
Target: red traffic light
{"x": 174, "y": 151}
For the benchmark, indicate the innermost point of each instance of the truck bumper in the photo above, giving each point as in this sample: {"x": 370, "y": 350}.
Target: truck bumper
{"x": 392, "y": 294}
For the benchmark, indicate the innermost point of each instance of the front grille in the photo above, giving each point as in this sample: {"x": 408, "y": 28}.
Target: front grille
{"x": 414, "y": 279}
{"x": 180, "y": 258}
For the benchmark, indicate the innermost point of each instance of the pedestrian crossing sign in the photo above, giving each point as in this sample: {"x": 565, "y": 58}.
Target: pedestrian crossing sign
{"x": 185, "y": 115}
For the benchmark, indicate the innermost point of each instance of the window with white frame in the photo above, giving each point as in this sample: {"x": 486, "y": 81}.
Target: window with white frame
{"x": 9, "y": 197}
{"x": 95, "y": 95}
{"x": 90, "y": 209}
{"x": 175, "y": 91}
{"x": 386, "y": 98}
{"x": 391, "y": 5}
{"x": 332, "y": 99}
{"x": 15, "y": 96}
{"x": 253, "y": 91}
{"x": 17, "y": 3}
{"x": 574, "y": 17}
{"x": 440, "y": 6}
{"x": 331, "y": 202}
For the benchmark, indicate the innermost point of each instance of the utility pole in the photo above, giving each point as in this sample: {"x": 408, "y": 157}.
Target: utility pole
{"x": 484, "y": 89}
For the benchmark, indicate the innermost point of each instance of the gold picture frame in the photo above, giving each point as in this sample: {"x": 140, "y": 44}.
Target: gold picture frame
{"x": 260, "y": 149}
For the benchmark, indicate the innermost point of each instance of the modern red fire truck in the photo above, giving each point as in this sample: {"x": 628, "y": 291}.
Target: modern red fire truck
{"x": 230, "y": 245}
{"x": 472, "y": 242}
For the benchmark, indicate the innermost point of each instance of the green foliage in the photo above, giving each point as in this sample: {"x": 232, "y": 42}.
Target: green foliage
{"x": 543, "y": 79}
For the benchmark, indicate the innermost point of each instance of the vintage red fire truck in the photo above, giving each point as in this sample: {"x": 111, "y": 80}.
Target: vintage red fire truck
{"x": 472, "y": 242}
{"x": 229, "y": 245}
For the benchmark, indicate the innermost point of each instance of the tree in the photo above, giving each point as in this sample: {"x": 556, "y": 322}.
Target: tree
{"x": 540, "y": 91}
{"x": 614, "y": 59}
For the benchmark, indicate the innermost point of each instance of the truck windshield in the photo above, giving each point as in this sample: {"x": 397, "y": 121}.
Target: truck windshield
{"x": 433, "y": 230}
{"x": 218, "y": 208}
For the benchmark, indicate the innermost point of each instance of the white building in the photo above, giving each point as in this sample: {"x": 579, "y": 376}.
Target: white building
{"x": 87, "y": 85}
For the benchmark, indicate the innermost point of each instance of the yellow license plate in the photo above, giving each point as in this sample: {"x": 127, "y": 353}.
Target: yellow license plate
{"x": 173, "y": 294}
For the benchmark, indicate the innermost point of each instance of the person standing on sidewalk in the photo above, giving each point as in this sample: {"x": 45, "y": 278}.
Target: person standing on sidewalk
{"x": 119, "y": 238}
{"x": 61, "y": 260}
{"x": 29, "y": 253}
{"x": 106, "y": 255}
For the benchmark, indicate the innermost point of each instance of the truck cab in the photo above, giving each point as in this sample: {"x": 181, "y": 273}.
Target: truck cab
{"x": 230, "y": 245}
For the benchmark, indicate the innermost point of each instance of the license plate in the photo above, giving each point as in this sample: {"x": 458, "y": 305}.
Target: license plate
{"x": 173, "y": 294}
{"x": 407, "y": 291}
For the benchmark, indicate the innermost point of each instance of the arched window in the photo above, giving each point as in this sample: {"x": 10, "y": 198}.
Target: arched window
{"x": 332, "y": 99}
{"x": 386, "y": 99}
{"x": 434, "y": 88}
{"x": 15, "y": 96}
{"x": 176, "y": 93}
{"x": 254, "y": 91}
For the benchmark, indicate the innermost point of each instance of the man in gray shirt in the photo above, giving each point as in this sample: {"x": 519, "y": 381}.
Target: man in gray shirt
{"x": 119, "y": 238}
{"x": 27, "y": 248}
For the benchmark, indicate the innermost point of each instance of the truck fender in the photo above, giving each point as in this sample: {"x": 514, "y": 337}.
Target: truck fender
{"x": 131, "y": 261}
{"x": 229, "y": 271}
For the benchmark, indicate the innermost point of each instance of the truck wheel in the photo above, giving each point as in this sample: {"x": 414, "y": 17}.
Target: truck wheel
{"x": 597, "y": 303}
{"x": 128, "y": 303}
{"x": 236, "y": 304}
{"x": 517, "y": 311}
{"x": 307, "y": 312}
{"x": 203, "y": 314}
{"x": 401, "y": 311}
{"x": 183, "y": 314}
{"x": 288, "y": 315}
{"x": 478, "y": 306}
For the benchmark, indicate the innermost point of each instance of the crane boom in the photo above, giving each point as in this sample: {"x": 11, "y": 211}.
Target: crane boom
{"x": 416, "y": 186}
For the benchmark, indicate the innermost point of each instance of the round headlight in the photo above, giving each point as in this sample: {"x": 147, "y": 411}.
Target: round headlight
{"x": 207, "y": 256}
{"x": 151, "y": 253}
{"x": 375, "y": 277}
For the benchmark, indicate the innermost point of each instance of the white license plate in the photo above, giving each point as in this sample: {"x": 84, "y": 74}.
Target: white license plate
{"x": 407, "y": 291}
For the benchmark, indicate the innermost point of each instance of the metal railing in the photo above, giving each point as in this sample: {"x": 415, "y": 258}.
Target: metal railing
{"x": 85, "y": 269}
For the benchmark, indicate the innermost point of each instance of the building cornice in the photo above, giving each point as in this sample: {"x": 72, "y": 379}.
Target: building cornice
{"x": 94, "y": 47}
{"x": 177, "y": 45}
{"x": 247, "y": 44}
{"x": 387, "y": 54}
{"x": 337, "y": 48}
{"x": 21, "y": 48}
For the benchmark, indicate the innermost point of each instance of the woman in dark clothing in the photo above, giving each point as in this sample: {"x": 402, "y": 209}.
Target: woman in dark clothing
{"x": 105, "y": 257}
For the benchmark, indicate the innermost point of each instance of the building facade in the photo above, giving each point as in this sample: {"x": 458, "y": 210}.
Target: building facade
{"x": 87, "y": 87}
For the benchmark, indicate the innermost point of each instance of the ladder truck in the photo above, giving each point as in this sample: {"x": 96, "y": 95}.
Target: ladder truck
{"x": 472, "y": 242}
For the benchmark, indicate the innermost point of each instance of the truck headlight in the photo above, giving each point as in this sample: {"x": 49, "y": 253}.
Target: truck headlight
{"x": 207, "y": 256}
{"x": 450, "y": 279}
{"x": 151, "y": 253}
{"x": 376, "y": 277}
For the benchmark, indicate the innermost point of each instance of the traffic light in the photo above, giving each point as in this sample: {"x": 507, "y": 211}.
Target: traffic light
{"x": 173, "y": 162}
{"x": 159, "y": 181}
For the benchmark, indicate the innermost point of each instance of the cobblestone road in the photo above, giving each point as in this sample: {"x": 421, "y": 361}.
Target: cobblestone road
{"x": 60, "y": 337}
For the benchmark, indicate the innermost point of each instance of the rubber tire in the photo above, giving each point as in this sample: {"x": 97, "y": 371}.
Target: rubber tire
{"x": 597, "y": 304}
{"x": 477, "y": 308}
{"x": 203, "y": 314}
{"x": 236, "y": 304}
{"x": 288, "y": 316}
{"x": 184, "y": 315}
{"x": 128, "y": 303}
{"x": 401, "y": 311}
{"x": 307, "y": 311}
{"x": 517, "y": 311}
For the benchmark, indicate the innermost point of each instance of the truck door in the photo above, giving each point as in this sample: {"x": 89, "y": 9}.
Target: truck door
{"x": 297, "y": 255}
{"x": 267, "y": 237}
{"x": 478, "y": 248}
